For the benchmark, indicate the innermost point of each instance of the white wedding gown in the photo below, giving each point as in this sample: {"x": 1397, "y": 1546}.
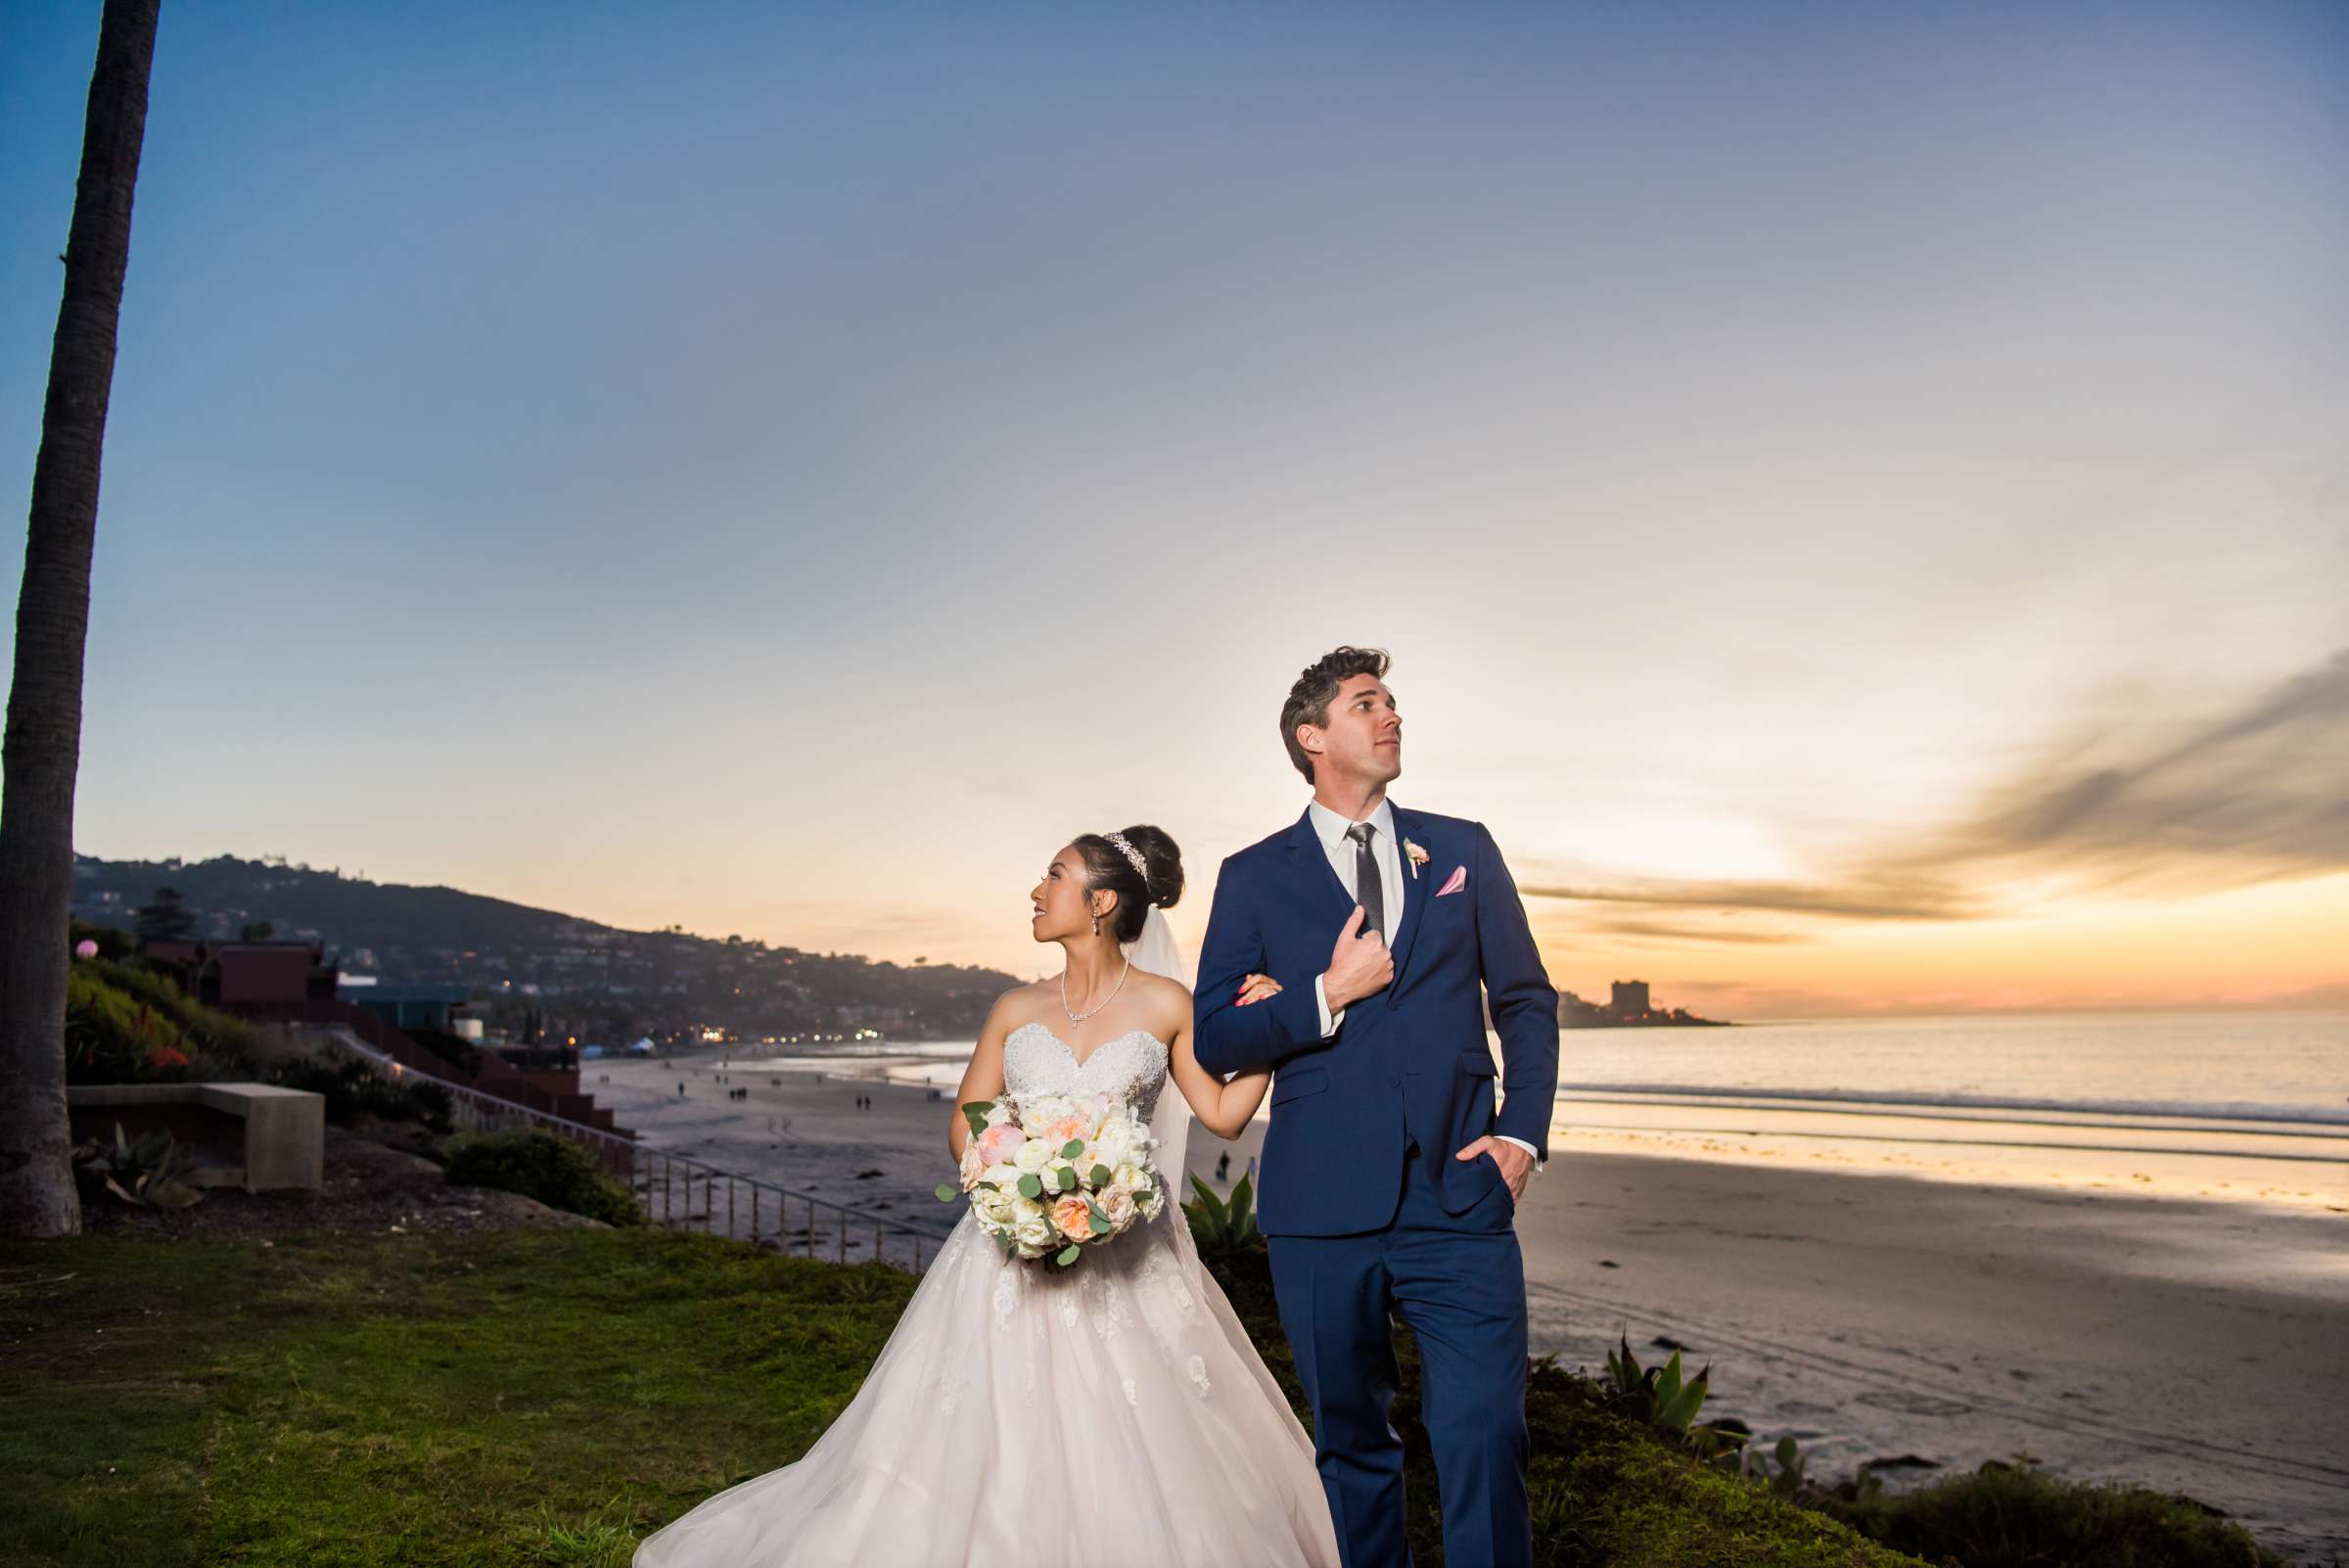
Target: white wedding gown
{"x": 1113, "y": 1414}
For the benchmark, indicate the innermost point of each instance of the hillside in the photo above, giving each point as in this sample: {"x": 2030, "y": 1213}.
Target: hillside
{"x": 593, "y": 980}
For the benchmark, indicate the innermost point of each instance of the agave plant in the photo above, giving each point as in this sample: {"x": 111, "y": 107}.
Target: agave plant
{"x": 150, "y": 1170}
{"x": 1219, "y": 1225}
{"x": 1657, "y": 1396}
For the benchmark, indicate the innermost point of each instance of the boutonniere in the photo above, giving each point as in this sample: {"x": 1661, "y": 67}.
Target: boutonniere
{"x": 1416, "y": 856}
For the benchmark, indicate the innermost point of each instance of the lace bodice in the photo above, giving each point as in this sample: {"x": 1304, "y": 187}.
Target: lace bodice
{"x": 1134, "y": 1066}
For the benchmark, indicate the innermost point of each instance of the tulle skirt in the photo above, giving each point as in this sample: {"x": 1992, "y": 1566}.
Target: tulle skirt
{"x": 1116, "y": 1413}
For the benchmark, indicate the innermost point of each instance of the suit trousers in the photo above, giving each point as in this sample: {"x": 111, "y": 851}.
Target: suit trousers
{"x": 1457, "y": 1281}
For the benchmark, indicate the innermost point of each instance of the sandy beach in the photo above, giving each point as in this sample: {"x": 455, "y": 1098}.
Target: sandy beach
{"x": 2194, "y": 1346}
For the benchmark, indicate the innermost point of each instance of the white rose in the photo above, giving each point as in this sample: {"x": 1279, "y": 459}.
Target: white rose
{"x": 1130, "y": 1177}
{"x": 1002, "y": 1173}
{"x": 992, "y": 1205}
{"x": 1150, "y": 1202}
{"x": 1032, "y": 1156}
{"x": 1116, "y": 1206}
{"x": 1037, "y": 1233}
{"x": 1024, "y": 1209}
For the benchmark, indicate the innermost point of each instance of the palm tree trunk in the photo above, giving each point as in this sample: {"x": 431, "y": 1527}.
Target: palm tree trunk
{"x": 42, "y": 748}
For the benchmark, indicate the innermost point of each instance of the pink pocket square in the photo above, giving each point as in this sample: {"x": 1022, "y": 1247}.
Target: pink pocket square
{"x": 1455, "y": 882}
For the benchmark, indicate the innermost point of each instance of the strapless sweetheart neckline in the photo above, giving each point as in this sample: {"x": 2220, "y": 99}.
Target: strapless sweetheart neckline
{"x": 1079, "y": 1061}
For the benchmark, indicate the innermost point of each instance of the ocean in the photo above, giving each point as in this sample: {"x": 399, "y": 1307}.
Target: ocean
{"x": 2230, "y": 1105}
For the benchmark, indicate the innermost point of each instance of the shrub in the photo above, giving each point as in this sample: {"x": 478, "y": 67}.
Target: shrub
{"x": 2016, "y": 1516}
{"x": 352, "y": 1090}
{"x": 555, "y": 1171}
{"x": 126, "y": 1023}
{"x": 113, "y": 1037}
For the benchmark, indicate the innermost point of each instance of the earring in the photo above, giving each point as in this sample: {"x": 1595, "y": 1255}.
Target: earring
{"x": 1097, "y": 925}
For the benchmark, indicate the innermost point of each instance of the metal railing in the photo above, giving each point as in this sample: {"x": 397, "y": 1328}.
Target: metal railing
{"x": 666, "y": 1184}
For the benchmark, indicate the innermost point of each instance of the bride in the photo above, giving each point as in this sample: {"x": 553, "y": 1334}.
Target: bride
{"x": 1114, "y": 1413}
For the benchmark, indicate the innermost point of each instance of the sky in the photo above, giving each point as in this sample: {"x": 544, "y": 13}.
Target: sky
{"x": 1858, "y": 496}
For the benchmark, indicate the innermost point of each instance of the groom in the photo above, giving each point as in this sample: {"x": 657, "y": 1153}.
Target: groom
{"x": 1390, "y": 1184}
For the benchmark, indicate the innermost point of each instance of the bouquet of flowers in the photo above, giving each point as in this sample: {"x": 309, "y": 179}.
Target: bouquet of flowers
{"x": 1058, "y": 1173}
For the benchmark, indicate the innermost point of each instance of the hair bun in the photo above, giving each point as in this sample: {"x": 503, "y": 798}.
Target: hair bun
{"x": 1162, "y": 863}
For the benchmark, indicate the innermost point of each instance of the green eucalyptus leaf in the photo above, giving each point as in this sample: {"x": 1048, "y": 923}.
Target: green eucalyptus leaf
{"x": 947, "y": 1192}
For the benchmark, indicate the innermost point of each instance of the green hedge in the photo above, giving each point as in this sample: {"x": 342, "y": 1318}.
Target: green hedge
{"x": 554, "y": 1169}
{"x": 352, "y": 1090}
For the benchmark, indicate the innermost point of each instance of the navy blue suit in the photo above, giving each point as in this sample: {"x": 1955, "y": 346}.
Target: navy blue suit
{"x": 1366, "y": 1211}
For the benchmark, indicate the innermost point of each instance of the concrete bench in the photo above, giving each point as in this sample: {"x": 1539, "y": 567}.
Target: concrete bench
{"x": 258, "y": 1136}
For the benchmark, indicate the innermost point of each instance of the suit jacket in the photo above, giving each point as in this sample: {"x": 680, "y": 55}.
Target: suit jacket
{"x": 1409, "y": 1062}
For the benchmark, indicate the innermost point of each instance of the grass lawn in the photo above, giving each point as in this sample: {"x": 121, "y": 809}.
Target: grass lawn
{"x": 499, "y": 1396}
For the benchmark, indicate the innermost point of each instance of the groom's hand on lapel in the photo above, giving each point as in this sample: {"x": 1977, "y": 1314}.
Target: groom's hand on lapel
{"x": 1359, "y": 965}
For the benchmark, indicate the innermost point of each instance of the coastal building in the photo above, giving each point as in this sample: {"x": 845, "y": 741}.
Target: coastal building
{"x": 290, "y": 982}
{"x": 1629, "y": 1004}
{"x": 409, "y": 1006}
{"x": 227, "y": 974}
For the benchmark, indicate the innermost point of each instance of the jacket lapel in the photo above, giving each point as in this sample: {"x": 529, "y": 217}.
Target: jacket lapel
{"x": 1312, "y": 864}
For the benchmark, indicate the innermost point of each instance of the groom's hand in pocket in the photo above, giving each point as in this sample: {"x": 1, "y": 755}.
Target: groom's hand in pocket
{"x": 1359, "y": 965}
{"x": 1516, "y": 1166}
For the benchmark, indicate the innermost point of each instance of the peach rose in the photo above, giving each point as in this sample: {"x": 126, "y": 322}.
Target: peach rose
{"x": 1066, "y": 1128}
{"x": 1117, "y": 1205}
{"x": 1074, "y": 1220}
{"x": 997, "y": 1143}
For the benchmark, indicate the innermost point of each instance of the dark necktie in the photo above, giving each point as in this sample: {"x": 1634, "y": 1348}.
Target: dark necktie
{"x": 1369, "y": 891}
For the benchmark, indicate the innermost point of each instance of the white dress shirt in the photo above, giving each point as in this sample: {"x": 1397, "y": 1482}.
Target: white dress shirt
{"x": 1343, "y": 857}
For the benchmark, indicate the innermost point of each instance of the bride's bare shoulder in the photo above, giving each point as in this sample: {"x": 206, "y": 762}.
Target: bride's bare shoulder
{"x": 1165, "y": 996}
{"x": 1022, "y": 1004}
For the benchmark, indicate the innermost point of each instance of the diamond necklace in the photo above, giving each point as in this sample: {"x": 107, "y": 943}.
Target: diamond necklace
{"x": 1079, "y": 1018}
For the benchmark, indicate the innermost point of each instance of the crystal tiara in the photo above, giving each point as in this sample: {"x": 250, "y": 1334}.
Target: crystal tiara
{"x": 1133, "y": 857}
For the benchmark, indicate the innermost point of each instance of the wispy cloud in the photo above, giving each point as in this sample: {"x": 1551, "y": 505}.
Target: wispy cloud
{"x": 1689, "y": 933}
{"x": 1855, "y": 898}
{"x": 2257, "y": 795}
